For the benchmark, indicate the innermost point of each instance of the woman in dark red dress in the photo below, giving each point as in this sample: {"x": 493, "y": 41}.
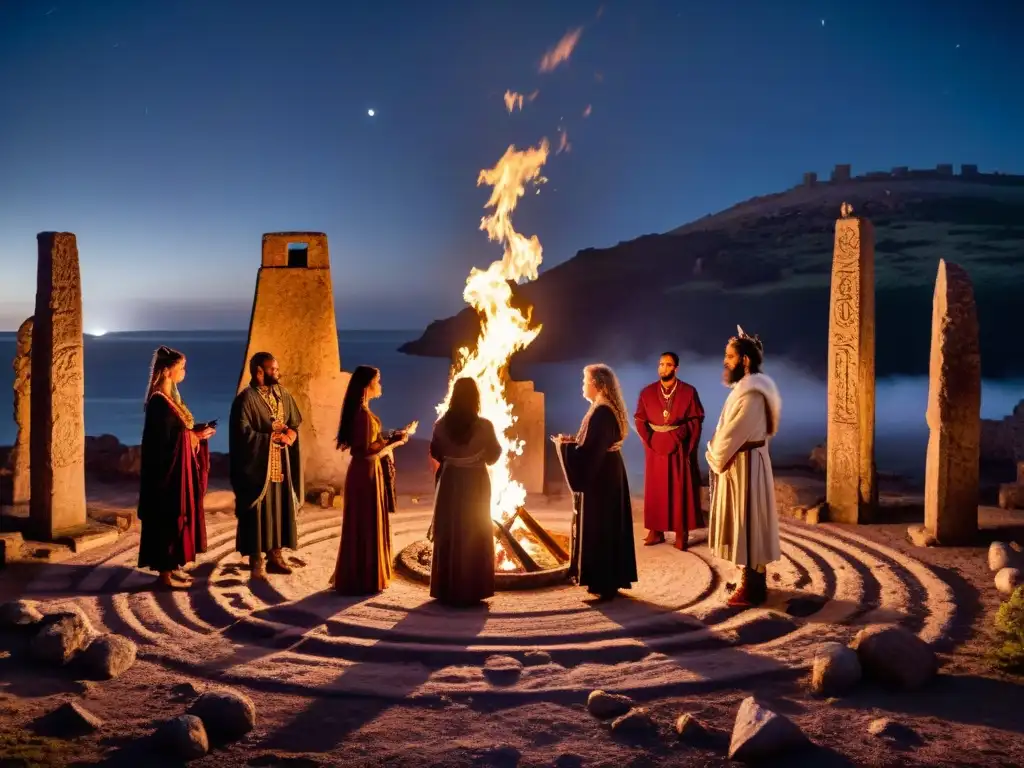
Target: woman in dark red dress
{"x": 364, "y": 555}
{"x": 175, "y": 470}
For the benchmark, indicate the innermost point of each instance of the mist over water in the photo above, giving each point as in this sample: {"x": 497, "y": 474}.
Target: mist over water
{"x": 117, "y": 366}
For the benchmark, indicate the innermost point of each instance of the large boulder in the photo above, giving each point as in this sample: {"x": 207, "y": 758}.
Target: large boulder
{"x": 185, "y": 737}
{"x": 62, "y": 636}
{"x": 20, "y": 614}
{"x": 760, "y": 733}
{"x": 107, "y": 656}
{"x": 1002, "y": 555}
{"x": 836, "y": 669}
{"x": 227, "y": 714}
{"x": 603, "y": 705}
{"x": 1008, "y": 579}
{"x": 894, "y": 656}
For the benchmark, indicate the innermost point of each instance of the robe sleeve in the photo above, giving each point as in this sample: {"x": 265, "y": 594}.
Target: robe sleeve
{"x": 362, "y": 447}
{"x": 694, "y": 424}
{"x": 293, "y": 419}
{"x": 582, "y": 462}
{"x": 248, "y": 449}
{"x": 492, "y": 448}
{"x": 640, "y": 421}
{"x": 740, "y": 428}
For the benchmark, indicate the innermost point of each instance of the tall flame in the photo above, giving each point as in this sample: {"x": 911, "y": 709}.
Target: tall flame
{"x": 504, "y": 330}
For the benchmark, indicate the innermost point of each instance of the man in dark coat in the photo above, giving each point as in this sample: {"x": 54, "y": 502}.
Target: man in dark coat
{"x": 266, "y": 468}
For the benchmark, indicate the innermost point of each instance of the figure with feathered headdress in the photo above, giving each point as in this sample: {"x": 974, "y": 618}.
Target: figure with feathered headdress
{"x": 175, "y": 471}
{"x": 743, "y": 526}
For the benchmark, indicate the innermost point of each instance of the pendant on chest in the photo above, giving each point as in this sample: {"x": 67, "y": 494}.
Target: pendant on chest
{"x": 665, "y": 414}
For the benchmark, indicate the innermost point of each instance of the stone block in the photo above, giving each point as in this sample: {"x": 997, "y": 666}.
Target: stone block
{"x": 1011, "y": 496}
{"x": 954, "y": 411}
{"x": 528, "y": 411}
{"x": 851, "y": 480}
{"x": 57, "y": 440}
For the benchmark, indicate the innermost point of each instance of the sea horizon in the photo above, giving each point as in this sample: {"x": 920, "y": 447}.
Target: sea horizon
{"x": 117, "y": 363}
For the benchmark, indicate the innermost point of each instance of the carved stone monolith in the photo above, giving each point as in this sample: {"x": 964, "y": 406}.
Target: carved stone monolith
{"x": 20, "y": 456}
{"x": 57, "y": 439}
{"x": 528, "y": 410}
{"x": 851, "y": 483}
{"x": 954, "y": 411}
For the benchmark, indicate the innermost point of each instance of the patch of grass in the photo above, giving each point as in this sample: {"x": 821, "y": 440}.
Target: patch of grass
{"x": 1009, "y": 654}
{"x": 26, "y": 750}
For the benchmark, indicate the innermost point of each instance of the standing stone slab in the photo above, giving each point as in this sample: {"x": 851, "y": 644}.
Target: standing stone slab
{"x": 528, "y": 410}
{"x": 58, "y": 391}
{"x": 851, "y": 484}
{"x": 954, "y": 411}
{"x": 20, "y": 456}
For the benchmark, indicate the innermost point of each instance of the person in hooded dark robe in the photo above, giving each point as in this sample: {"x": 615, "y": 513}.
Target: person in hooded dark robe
{"x": 266, "y": 468}
{"x": 603, "y": 554}
{"x": 174, "y": 475}
{"x": 364, "y": 564}
{"x": 464, "y": 444}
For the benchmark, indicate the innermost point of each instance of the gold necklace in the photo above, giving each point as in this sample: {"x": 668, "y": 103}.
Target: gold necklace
{"x": 668, "y": 398}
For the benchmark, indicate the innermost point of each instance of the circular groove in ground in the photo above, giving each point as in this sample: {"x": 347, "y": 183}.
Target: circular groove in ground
{"x": 675, "y": 630}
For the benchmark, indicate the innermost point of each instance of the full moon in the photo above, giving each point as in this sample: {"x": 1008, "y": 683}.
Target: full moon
{"x": 371, "y": 112}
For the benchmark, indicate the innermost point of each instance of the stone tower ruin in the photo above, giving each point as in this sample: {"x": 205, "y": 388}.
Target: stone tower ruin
{"x": 293, "y": 319}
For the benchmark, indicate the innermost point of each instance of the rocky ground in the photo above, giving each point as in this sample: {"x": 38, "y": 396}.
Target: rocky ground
{"x": 397, "y": 680}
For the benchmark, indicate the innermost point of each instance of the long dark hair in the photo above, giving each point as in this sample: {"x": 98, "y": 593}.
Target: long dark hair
{"x": 463, "y": 410}
{"x": 362, "y": 377}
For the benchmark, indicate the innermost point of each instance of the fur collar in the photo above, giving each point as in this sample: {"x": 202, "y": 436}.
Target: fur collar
{"x": 759, "y": 382}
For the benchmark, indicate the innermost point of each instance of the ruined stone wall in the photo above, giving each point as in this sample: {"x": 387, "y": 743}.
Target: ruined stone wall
{"x": 293, "y": 319}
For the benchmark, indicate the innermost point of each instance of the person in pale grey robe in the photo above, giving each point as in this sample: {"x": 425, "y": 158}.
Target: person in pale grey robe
{"x": 743, "y": 525}
{"x": 464, "y": 444}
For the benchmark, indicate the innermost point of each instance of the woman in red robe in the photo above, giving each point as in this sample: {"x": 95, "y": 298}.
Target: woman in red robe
{"x": 175, "y": 471}
{"x": 364, "y": 554}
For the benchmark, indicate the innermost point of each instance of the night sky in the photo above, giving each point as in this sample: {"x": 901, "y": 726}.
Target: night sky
{"x": 170, "y": 135}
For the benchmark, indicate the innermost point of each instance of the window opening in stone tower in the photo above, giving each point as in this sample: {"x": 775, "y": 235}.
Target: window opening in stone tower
{"x": 298, "y": 255}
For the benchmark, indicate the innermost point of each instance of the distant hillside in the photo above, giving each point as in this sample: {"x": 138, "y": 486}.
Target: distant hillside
{"x": 766, "y": 264}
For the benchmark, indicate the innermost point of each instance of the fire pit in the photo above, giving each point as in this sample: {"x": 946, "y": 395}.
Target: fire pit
{"x": 526, "y": 556}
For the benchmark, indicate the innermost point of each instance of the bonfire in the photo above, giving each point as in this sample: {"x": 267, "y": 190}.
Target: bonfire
{"x": 520, "y": 542}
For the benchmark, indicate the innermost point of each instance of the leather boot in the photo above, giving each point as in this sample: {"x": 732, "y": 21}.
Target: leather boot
{"x": 741, "y": 598}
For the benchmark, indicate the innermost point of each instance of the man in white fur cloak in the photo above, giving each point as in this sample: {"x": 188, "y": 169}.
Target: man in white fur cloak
{"x": 743, "y": 526}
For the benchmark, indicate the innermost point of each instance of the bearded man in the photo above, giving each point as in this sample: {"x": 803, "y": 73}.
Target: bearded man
{"x": 743, "y": 525}
{"x": 266, "y": 468}
{"x": 669, "y": 418}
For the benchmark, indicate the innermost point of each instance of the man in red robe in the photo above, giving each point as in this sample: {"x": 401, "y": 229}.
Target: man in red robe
{"x": 668, "y": 418}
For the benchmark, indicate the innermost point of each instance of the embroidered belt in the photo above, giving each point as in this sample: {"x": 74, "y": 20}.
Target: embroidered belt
{"x": 276, "y": 475}
{"x": 664, "y": 427}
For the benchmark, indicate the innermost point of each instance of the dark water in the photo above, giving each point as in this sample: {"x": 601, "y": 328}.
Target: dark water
{"x": 116, "y": 367}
